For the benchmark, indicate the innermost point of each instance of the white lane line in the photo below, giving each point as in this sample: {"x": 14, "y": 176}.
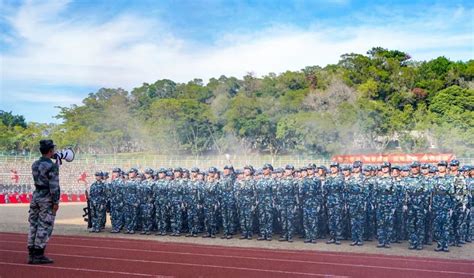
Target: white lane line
{"x": 84, "y": 269}
{"x": 253, "y": 258}
{"x": 210, "y": 255}
{"x": 358, "y": 255}
{"x": 189, "y": 264}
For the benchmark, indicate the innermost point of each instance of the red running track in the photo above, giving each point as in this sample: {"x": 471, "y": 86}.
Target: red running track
{"x": 77, "y": 256}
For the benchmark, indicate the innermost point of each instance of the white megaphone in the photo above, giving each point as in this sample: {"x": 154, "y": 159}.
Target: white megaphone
{"x": 66, "y": 154}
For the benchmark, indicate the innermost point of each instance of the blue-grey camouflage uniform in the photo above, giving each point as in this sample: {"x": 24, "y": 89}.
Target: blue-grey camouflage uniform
{"x": 310, "y": 200}
{"x": 145, "y": 196}
{"x": 47, "y": 193}
{"x": 264, "y": 192}
{"x": 132, "y": 204}
{"x": 356, "y": 193}
{"x": 98, "y": 200}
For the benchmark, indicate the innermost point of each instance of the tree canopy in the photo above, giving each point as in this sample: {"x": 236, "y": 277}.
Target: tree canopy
{"x": 382, "y": 101}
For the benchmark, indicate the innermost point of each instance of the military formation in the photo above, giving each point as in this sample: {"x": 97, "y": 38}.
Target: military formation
{"x": 417, "y": 203}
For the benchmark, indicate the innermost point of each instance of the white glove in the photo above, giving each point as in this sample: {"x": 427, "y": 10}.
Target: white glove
{"x": 405, "y": 208}
{"x": 463, "y": 207}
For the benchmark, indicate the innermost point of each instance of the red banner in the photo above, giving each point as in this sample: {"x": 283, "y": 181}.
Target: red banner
{"x": 25, "y": 198}
{"x": 393, "y": 158}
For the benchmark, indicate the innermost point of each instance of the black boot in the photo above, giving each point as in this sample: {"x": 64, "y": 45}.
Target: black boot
{"x": 40, "y": 258}
{"x": 31, "y": 254}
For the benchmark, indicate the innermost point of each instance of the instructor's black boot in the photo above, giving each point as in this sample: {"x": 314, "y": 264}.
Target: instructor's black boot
{"x": 31, "y": 254}
{"x": 40, "y": 258}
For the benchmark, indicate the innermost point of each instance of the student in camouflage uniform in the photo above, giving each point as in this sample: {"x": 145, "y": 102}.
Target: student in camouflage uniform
{"x": 323, "y": 212}
{"x": 357, "y": 200}
{"x": 443, "y": 192}
{"x": 227, "y": 201}
{"x": 116, "y": 201}
{"x": 414, "y": 204}
{"x": 385, "y": 196}
{"x": 427, "y": 180}
{"x": 288, "y": 196}
{"x": 334, "y": 189}
{"x": 98, "y": 201}
{"x": 369, "y": 221}
{"x": 105, "y": 180}
{"x": 44, "y": 203}
{"x": 458, "y": 220}
{"x": 345, "y": 220}
{"x": 264, "y": 192}
{"x": 311, "y": 199}
{"x": 469, "y": 174}
{"x": 131, "y": 201}
{"x": 210, "y": 204}
{"x": 145, "y": 195}
{"x": 398, "y": 199}
{"x": 176, "y": 202}
{"x": 191, "y": 200}
{"x": 245, "y": 190}
{"x": 161, "y": 202}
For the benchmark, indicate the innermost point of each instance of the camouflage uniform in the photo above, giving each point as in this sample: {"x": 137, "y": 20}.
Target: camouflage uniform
{"x": 98, "y": 201}
{"x": 176, "y": 205}
{"x": 116, "y": 204}
{"x": 398, "y": 233}
{"x": 246, "y": 202}
{"x": 311, "y": 199}
{"x": 132, "y": 205}
{"x": 287, "y": 196}
{"x": 470, "y": 186}
{"x": 161, "y": 202}
{"x": 416, "y": 195}
{"x": 427, "y": 182}
{"x": 41, "y": 216}
{"x": 385, "y": 209}
{"x": 264, "y": 192}
{"x": 192, "y": 195}
{"x": 145, "y": 195}
{"x": 458, "y": 220}
{"x": 369, "y": 222}
{"x": 334, "y": 187}
{"x": 210, "y": 203}
{"x": 227, "y": 201}
{"x": 357, "y": 199}
{"x": 443, "y": 191}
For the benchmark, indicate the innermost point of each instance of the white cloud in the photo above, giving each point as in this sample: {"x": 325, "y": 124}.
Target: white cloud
{"x": 128, "y": 50}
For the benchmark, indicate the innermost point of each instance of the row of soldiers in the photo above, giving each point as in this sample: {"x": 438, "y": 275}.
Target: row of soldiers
{"x": 418, "y": 203}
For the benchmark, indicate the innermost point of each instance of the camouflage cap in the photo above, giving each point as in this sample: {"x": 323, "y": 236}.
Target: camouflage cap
{"x": 443, "y": 163}
{"x": 405, "y": 168}
{"x": 149, "y": 171}
{"x": 454, "y": 162}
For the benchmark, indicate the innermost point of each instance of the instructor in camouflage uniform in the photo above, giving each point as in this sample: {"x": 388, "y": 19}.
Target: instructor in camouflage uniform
{"x": 44, "y": 204}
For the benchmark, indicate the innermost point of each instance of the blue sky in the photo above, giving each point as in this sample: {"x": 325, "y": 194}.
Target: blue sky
{"x": 53, "y": 53}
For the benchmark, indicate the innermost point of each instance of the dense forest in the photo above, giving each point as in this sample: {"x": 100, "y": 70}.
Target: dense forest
{"x": 379, "y": 102}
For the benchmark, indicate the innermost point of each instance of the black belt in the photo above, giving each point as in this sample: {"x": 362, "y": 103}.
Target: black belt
{"x": 41, "y": 187}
